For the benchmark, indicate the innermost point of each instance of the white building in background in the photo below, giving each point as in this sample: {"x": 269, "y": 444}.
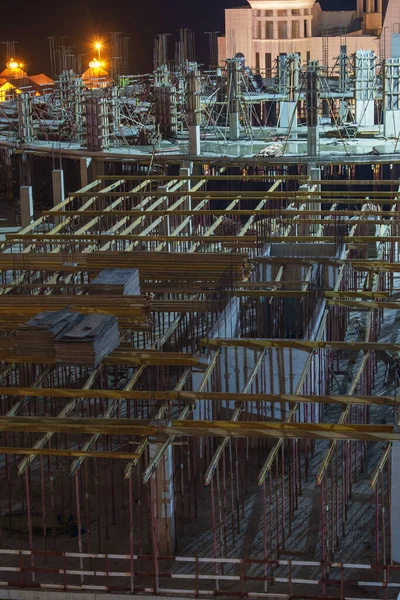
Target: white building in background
{"x": 263, "y": 29}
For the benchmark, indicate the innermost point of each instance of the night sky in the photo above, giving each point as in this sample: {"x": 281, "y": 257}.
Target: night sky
{"x": 82, "y": 21}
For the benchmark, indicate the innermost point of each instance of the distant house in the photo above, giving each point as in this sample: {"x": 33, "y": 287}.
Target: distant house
{"x": 14, "y": 80}
{"x": 96, "y": 76}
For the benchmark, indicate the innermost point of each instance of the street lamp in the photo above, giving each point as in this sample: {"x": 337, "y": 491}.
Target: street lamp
{"x": 98, "y": 46}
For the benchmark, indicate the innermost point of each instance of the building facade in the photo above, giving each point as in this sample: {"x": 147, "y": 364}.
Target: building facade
{"x": 264, "y": 29}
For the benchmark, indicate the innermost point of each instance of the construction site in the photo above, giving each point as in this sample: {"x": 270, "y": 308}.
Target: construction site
{"x": 199, "y": 330}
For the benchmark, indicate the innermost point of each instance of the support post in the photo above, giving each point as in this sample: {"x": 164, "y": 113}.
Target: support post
{"x": 162, "y": 499}
{"x": 26, "y": 204}
{"x": 57, "y": 177}
{"x": 312, "y": 112}
{"x": 193, "y": 110}
{"x": 186, "y": 172}
{"x": 84, "y": 165}
{"x": 391, "y": 98}
{"x": 234, "y": 93}
{"x": 365, "y": 77}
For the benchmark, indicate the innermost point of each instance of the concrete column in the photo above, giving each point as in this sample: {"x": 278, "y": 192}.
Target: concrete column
{"x": 194, "y": 140}
{"x": 275, "y": 27}
{"x": 164, "y": 228}
{"x": 301, "y": 26}
{"x": 84, "y": 165}
{"x": 289, "y": 29}
{"x": 186, "y": 172}
{"x": 288, "y": 115}
{"x": 395, "y": 501}
{"x": 162, "y": 501}
{"x": 57, "y": 177}
{"x": 315, "y": 175}
{"x": 97, "y": 168}
{"x": 26, "y": 203}
{"x": 391, "y": 123}
{"x": 234, "y": 127}
{"x": 308, "y": 25}
{"x": 365, "y": 112}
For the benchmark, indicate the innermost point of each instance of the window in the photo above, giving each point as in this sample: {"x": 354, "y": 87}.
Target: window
{"x": 305, "y": 27}
{"x": 295, "y": 29}
{"x": 282, "y": 13}
{"x": 258, "y": 30}
{"x": 307, "y": 11}
{"x": 308, "y": 56}
{"x": 257, "y": 13}
{"x": 268, "y": 65}
{"x": 282, "y": 30}
{"x": 295, "y": 12}
{"x": 268, "y": 13}
{"x": 257, "y": 62}
{"x": 269, "y": 30}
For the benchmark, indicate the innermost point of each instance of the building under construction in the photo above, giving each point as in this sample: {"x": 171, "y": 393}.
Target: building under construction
{"x": 199, "y": 333}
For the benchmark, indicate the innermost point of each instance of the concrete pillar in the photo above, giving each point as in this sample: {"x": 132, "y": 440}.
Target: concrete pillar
{"x": 391, "y": 123}
{"x": 312, "y": 110}
{"x": 164, "y": 228}
{"x": 301, "y": 27}
{"x": 26, "y": 203}
{"x": 365, "y": 113}
{"x": 57, "y": 177}
{"x": 395, "y": 501}
{"x": 186, "y": 172}
{"x": 275, "y": 32}
{"x": 288, "y": 115}
{"x": 289, "y": 29}
{"x": 308, "y": 25}
{"x": 98, "y": 168}
{"x": 315, "y": 175}
{"x": 365, "y": 84}
{"x": 84, "y": 165}
{"x": 234, "y": 127}
{"x": 162, "y": 501}
{"x": 391, "y": 98}
{"x": 194, "y": 140}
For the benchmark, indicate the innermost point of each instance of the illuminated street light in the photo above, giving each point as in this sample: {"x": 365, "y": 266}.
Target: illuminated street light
{"x": 98, "y": 46}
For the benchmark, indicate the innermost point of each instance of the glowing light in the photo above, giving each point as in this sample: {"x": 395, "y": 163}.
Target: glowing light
{"x": 12, "y": 64}
{"x": 98, "y": 45}
{"x": 95, "y": 64}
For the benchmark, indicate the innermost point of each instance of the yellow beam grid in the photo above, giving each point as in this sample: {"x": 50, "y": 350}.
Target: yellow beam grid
{"x": 171, "y": 396}
{"x": 179, "y": 428}
{"x": 90, "y": 235}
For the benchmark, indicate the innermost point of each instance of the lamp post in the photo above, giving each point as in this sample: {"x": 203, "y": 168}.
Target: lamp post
{"x": 98, "y": 46}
